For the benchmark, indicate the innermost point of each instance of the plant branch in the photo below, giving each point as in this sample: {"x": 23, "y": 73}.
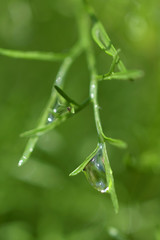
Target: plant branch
{"x": 62, "y": 118}
{"x": 94, "y": 99}
{"x": 33, "y": 55}
{"x": 127, "y": 75}
{"x": 75, "y": 51}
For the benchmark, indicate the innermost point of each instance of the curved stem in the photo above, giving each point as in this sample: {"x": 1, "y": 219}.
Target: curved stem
{"x": 33, "y": 55}
{"x": 76, "y": 50}
{"x": 46, "y": 128}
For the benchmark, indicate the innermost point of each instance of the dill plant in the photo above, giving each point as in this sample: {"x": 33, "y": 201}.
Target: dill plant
{"x": 60, "y": 106}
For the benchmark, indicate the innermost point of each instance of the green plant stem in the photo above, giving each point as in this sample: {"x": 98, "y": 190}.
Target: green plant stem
{"x": 85, "y": 34}
{"x": 76, "y": 50}
{"x": 35, "y": 55}
{"x": 127, "y": 75}
{"x": 62, "y": 118}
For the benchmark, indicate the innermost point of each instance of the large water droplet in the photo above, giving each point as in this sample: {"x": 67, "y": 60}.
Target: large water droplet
{"x": 95, "y": 172}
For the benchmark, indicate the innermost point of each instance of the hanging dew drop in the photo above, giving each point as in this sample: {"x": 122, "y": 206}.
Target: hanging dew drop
{"x": 95, "y": 172}
{"x": 58, "y": 110}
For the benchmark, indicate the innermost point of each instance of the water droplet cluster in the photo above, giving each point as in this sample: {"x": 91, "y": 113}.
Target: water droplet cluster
{"x": 57, "y": 110}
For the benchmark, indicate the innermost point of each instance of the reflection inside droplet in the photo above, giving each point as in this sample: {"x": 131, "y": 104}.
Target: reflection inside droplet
{"x": 95, "y": 172}
{"x": 52, "y": 114}
{"x": 20, "y": 162}
{"x": 50, "y": 118}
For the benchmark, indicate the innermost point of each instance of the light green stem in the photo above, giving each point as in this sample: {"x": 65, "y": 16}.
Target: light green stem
{"x": 33, "y": 55}
{"x": 85, "y": 34}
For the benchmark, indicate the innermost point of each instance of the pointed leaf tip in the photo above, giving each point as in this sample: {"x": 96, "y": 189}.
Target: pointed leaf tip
{"x": 116, "y": 142}
{"x": 78, "y": 169}
{"x": 75, "y": 172}
{"x": 65, "y": 96}
{"x": 82, "y": 165}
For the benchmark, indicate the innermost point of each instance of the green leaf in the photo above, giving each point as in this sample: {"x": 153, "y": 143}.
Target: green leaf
{"x": 82, "y": 166}
{"x": 127, "y": 75}
{"x": 116, "y": 142}
{"x": 44, "y": 129}
{"x": 110, "y": 179}
{"x": 102, "y": 39}
{"x": 65, "y": 96}
{"x": 114, "y": 62}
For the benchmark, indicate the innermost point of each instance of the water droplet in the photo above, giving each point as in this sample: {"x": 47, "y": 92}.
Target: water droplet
{"x": 95, "y": 172}
{"x": 21, "y": 161}
{"x": 92, "y": 95}
{"x": 31, "y": 149}
{"x": 53, "y": 111}
{"x": 50, "y": 118}
{"x": 93, "y": 86}
{"x": 57, "y": 110}
{"x": 58, "y": 80}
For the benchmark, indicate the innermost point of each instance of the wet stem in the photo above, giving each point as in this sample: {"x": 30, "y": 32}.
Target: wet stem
{"x": 76, "y": 50}
{"x": 84, "y": 25}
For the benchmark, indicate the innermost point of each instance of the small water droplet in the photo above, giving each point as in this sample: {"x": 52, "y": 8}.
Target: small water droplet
{"x": 92, "y": 95}
{"x": 58, "y": 109}
{"x": 20, "y": 162}
{"x": 58, "y": 80}
{"x": 53, "y": 111}
{"x": 95, "y": 172}
{"x": 50, "y": 118}
{"x": 31, "y": 149}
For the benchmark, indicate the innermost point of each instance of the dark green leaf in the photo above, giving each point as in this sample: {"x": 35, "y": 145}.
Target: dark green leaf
{"x": 65, "y": 96}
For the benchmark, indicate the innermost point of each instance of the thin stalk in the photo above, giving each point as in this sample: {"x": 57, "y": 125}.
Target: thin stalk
{"x": 93, "y": 73}
{"x": 33, "y": 55}
{"x": 76, "y": 50}
{"x": 85, "y": 34}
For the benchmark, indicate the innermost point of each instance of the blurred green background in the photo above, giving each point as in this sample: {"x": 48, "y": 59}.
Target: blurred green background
{"x": 39, "y": 200}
